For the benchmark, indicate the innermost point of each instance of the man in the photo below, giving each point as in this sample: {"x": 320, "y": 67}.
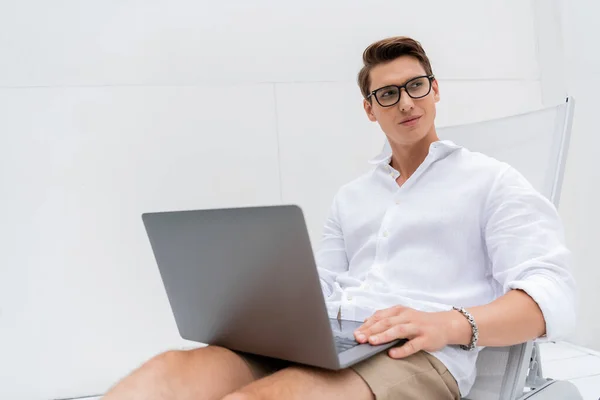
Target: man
{"x": 432, "y": 228}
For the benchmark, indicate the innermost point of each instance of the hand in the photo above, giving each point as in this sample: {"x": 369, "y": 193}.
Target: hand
{"x": 427, "y": 331}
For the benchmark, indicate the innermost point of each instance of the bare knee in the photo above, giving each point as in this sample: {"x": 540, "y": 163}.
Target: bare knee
{"x": 167, "y": 362}
{"x": 241, "y": 396}
{"x": 206, "y": 373}
{"x": 201, "y": 365}
{"x": 152, "y": 378}
{"x": 174, "y": 359}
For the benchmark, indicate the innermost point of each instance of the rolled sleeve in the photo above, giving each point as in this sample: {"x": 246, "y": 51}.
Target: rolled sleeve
{"x": 525, "y": 242}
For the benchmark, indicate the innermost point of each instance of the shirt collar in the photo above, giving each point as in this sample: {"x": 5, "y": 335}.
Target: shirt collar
{"x": 445, "y": 146}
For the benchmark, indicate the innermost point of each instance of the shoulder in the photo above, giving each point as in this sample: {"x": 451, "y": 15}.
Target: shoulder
{"x": 503, "y": 187}
{"x": 470, "y": 173}
{"x": 501, "y": 175}
{"x": 486, "y": 180}
{"x": 358, "y": 185}
{"x": 479, "y": 163}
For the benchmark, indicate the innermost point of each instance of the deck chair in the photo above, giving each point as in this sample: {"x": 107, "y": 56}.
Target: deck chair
{"x": 536, "y": 144}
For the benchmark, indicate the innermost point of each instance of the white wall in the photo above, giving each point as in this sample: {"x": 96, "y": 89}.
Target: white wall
{"x": 581, "y": 191}
{"x": 112, "y": 108}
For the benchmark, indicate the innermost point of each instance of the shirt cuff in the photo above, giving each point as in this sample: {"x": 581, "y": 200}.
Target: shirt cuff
{"x": 556, "y": 301}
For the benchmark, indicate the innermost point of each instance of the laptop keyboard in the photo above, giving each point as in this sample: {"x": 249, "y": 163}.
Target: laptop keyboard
{"x": 342, "y": 344}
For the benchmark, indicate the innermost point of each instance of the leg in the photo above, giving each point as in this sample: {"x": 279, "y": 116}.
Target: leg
{"x": 202, "y": 374}
{"x": 420, "y": 376}
{"x": 306, "y": 383}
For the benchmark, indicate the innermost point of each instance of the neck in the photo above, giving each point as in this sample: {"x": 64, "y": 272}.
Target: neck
{"x": 406, "y": 158}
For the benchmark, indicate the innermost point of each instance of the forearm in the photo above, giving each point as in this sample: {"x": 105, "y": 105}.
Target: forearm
{"x": 511, "y": 319}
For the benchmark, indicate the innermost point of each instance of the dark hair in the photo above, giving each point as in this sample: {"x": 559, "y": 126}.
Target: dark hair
{"x": 387, "y": 50}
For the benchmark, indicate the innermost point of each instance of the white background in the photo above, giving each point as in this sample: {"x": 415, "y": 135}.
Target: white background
{"x": 581, "y": 190}
{"x": 113, "y": 108}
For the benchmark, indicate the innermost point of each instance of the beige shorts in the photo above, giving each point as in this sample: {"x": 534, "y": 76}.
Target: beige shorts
{"x": 420, "y": 376}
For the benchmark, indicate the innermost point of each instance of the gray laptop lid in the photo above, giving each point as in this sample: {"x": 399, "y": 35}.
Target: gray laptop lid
{"x": 244, "y": 279}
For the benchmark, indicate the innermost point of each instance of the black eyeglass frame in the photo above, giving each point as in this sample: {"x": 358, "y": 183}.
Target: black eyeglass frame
{"x": 429, "y": 77}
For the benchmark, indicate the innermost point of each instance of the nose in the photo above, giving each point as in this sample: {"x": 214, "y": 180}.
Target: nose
{"x": 405, "y": 103}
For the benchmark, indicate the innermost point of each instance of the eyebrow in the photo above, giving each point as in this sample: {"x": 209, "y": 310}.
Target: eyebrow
{"x": 402, "y": 84}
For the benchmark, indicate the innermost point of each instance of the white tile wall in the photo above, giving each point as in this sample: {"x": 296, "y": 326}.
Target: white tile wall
{"x": 69, "y": 42}
{"x": 81, "y": 296}
{"x": 570, "y": 368}
{"x": 578, "y": 365}
{"x": 580, "y": 29}
{"x": 578, "y": 208}
{"x": 558, "y": 351}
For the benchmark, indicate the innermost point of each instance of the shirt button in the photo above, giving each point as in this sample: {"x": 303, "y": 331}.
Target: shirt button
{"x": 397, "y": 201}
{"x": 386, "y": 234}
{"x": 349, "y": 298}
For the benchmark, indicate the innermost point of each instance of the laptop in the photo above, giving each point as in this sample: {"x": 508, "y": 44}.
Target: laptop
{"x": 246, "y": 279}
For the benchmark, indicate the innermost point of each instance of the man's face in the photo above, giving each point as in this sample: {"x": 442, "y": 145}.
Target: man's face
{"x": 409, "y": 120}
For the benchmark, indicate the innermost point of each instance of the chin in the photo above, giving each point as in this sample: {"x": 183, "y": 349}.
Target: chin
{"x": 409, "y": 137}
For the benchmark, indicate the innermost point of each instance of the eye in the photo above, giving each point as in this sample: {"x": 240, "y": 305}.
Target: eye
{"x": 387, "y": 92}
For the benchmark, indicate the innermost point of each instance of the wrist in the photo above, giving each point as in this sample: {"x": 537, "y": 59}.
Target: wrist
{"x": 459, "y": 329}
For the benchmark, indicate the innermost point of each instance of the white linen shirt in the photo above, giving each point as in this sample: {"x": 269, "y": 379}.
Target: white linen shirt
{"x": 463, "y": 230}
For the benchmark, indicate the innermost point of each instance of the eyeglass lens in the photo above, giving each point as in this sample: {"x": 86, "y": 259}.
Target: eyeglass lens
{"x": 416, "y": 88}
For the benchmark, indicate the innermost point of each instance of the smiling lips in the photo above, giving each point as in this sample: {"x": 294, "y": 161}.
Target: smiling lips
{"x": 411, "y": 121}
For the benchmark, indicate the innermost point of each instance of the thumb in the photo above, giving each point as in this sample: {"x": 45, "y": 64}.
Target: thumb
{"x": 407, "y": 349}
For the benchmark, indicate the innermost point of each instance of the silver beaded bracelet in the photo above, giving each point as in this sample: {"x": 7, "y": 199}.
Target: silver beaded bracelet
{"x": 475, "y": 335}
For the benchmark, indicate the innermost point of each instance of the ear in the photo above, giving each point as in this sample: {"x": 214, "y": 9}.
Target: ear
{"x": 436, "y": 90}
{"x": 369, "y": 110}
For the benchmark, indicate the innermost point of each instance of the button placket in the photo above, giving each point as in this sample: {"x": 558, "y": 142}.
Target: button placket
{"x": 382, "y": 240}
{"x": 392, "y": 172}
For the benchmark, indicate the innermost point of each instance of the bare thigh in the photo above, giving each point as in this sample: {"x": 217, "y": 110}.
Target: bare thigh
{"x": 299, "y": 382}
{"x": 420, "y": 376}
{"x": 207, "y": 373}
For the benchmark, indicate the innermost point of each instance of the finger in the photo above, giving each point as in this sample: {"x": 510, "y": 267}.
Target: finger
{"x": 407, "y": 349}
{"x": 359, "y": 332}
{"x": 366, "y": 324}
{"x": 362, "y": 333}
{"x": 379, "y": 315}
{"x": 396, "y": 331}
{"x": 389, "y": 312}
{"x": 380, "y": 326}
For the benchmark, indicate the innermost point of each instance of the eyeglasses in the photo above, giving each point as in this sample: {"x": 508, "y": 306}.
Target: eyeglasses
{"x": 416, "y": 88}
